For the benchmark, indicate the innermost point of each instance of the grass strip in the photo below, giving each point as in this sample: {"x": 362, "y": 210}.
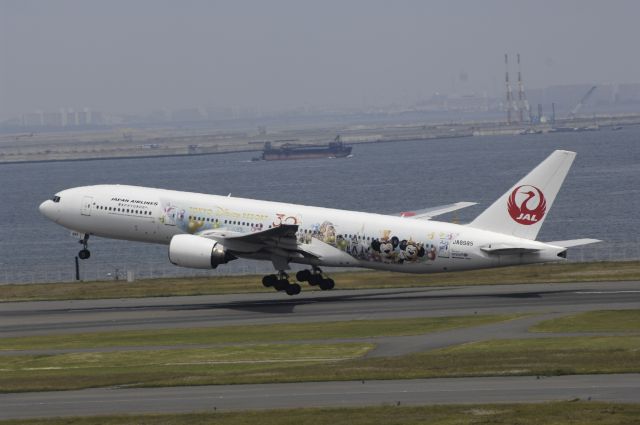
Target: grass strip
{"x": 83, "y": 370}
{"x": 252, "y": 333}
{"x": 593, "y": 321}
{"x": 538, "y": 273}
{"x": 545, "y": 356}
{"x": 553, "y": 413}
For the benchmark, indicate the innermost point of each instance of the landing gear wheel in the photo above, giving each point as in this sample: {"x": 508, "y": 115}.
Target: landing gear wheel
{"x": 327, "y": 284}
{"x": 269, "y": 280}
{"x": 281, "y": 285}
{"x": 303, "y": 275}
{"x": 293, "y": 289}
{"x": 315, "y": 279}
{"x": 84, "y": 254}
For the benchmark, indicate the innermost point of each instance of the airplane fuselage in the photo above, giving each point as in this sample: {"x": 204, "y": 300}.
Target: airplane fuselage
{"x": 335, "y": 237}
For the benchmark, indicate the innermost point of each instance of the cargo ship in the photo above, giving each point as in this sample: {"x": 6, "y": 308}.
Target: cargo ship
{"x": 335, "y": 149}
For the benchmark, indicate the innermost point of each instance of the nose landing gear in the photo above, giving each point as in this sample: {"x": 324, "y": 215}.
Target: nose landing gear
{"x": 84, "y": 252}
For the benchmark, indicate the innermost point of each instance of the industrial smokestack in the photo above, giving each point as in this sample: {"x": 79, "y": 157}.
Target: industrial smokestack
{"x": 522, "y": 99}
{"x": 508, "y": 87}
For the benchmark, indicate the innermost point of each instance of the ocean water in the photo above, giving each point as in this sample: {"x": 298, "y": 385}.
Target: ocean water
{"x": 600, "y": 197}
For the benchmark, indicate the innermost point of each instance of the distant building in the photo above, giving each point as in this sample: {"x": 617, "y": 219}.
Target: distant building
{"x": 62, "y": 118}
{"x": 219, "y": 113}
{"x": 52, "y": 119}
{"x": 567, "y": 96}
{"x": 186, "y": 115}
{"x": 466, "y": 103}
{"x": 35, "y": 119}
{"x": 158, "y": 116}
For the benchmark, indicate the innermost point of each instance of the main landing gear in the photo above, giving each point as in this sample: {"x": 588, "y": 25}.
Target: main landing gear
{"x": 314, "y": 277}
{"x": 84, "y": 252}
{"x": 280, "y": 282}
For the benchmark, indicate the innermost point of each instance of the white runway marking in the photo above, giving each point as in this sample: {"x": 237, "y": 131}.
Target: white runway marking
{"x": 606, "y": 292}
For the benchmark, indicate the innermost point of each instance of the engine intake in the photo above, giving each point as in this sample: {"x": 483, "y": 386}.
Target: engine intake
{"x": 197, "y": 252}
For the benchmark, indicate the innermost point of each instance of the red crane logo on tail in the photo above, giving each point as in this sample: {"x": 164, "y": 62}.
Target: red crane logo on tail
{"x": 527, "y": 205}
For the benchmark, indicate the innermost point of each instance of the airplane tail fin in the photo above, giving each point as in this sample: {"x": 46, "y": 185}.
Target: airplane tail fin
{"x": 522, "y": 209}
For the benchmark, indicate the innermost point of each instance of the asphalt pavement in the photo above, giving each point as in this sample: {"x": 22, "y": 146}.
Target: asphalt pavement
{"x": 539, "y": 301}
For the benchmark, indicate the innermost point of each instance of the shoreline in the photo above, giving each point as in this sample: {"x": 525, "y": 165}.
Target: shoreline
{"x": 149, "y": 143}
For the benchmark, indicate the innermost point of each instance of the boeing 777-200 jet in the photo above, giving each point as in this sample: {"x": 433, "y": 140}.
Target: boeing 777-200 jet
{"x": 205, "y": 231}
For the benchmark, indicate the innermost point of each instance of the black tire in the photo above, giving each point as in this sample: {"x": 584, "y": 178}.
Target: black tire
{"x": 315, "y": 279}
{"x": 269, "y": 280}
{"x": 303, "y": 275}
{"x": 293, "y": 289}
{"x": 84, "y": 254}
{"x": 327, "y": 284}
{"x": 331, "y": 283}
{"x": 281, "y": 285}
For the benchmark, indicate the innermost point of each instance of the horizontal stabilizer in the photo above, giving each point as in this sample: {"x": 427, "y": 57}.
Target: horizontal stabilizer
{"x": 428, "y": 213}
{"x": 573, "y": 242}
{"x": 506, "y": 249}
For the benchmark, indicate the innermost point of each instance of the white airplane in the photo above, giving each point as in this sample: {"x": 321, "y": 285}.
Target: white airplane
{"x": 205, "y": 231}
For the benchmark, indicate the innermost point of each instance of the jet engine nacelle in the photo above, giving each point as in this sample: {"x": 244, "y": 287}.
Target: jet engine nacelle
{"x": 197, "y": 252}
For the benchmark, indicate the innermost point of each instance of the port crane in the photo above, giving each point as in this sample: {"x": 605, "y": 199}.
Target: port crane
{"x": 584, "y": 99}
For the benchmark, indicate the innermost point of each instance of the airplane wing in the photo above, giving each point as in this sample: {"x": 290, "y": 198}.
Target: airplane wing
{"x": 280, "y": 241}
{"x": 428, "y": 213}
{"x": 282, "y": 237}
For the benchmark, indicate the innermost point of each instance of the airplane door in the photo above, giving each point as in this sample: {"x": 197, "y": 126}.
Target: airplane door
{"x": 170, "y": 216}
{"x": 444, "y": 246}
{"x": 85, "y": 208}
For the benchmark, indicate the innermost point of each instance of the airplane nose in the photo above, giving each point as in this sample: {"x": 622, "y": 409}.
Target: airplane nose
{"x": 48, "y": 209}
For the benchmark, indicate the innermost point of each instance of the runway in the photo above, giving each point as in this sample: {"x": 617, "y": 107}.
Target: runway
{"x": 540, "y": 301}
{"x": 45, "y": 318}
{"x": 618, "y": 388}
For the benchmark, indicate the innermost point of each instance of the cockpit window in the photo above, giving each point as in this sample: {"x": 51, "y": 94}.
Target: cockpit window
{"x": 56, "y": 199}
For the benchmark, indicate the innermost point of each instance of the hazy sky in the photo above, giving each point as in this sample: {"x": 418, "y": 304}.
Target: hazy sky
{"x": 137, "y": 55}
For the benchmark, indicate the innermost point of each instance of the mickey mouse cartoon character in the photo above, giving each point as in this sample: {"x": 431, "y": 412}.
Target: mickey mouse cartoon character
{"x": 385, "y": 249}
{"x": 410, "y": 251}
